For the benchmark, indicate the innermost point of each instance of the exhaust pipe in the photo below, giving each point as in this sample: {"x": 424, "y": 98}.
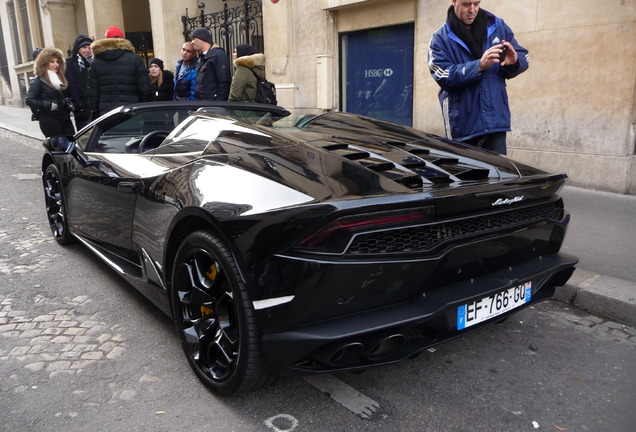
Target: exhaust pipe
{"x": 340, "y": 354}
{"x": 384, "y": 346}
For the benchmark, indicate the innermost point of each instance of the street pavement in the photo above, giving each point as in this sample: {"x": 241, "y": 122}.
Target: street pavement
{"x": 601, "y": 234}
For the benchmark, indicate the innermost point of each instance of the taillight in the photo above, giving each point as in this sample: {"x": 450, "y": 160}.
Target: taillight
{"x": 335, "y": 237}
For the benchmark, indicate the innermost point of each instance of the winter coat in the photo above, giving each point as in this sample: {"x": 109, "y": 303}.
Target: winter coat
{"x": 117, "y": 75}
{"x": 41, "y": 94}
{"x": 48, "y": 103}
{"x": 185, "y": 81}
{"x": 243, "y": 88}
{"x": 165, "y": 91}
{"x": 473, "y": 103}
{"x": 77, "y": 76}
{"x": 213, "y": 75}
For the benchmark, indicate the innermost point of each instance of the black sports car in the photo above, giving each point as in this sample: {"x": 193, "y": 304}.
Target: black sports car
{"x": 325, "y": 243}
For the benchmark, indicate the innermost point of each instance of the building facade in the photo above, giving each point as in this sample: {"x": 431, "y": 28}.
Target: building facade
{"x": 573, "y": 111}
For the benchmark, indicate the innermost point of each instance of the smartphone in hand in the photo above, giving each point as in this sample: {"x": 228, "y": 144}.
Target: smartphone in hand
{"x": 502, "y": 55}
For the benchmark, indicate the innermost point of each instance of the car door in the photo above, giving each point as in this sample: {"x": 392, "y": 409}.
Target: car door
{"x": 105, "y": 178}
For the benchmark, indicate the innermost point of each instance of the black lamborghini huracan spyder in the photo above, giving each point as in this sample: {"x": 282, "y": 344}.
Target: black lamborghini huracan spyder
{"x": 324, "y": 243}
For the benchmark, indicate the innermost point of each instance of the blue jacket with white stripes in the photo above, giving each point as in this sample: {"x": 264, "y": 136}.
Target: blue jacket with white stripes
{"x": 473, "y": 103}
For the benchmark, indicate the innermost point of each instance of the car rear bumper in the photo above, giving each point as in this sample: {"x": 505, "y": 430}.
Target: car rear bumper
{"x": 390, "y": 334}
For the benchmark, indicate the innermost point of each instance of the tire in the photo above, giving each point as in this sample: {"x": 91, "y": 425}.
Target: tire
{"x": 214, "y": 316}
{"x": 55, "y": 203}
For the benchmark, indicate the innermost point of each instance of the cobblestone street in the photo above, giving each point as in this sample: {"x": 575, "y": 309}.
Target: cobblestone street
{"x": 62, "y": 340}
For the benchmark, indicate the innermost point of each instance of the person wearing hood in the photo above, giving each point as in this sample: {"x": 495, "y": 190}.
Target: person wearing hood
{"x": 161, "y": 81}
{"x": 47, "y": 94}
{"x": 250, "y": 67}
{"x": 77, "y": 66}
{"x": 117, "y": 75}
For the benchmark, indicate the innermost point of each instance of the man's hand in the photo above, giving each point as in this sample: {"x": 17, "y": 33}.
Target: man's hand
{"x": 511, "y": 54}
{"x": 491, "y": 56}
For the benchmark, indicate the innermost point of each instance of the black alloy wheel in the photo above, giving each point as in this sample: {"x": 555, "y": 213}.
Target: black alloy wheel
{"x": 55, "y": 203}
{"x": 214, "y": 316}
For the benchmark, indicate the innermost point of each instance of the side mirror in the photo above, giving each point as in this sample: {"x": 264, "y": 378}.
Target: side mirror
{"x": 59, "y": 144}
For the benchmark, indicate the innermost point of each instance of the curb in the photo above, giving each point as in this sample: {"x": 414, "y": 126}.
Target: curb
{"x": 605, "y": 296}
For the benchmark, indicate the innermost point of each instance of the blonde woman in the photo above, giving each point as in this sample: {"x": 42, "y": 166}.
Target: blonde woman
{"x": 47, "y": 94}
{"x": 161, "y": 81}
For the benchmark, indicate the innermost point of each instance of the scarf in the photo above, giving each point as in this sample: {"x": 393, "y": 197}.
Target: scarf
{"x": 82, "y": 62}
{"x": 474, "y": 36}
{"x": 54, "y": 79}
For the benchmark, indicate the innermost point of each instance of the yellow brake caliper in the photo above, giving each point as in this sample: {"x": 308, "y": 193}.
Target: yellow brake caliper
{"x": 211, "y": 274}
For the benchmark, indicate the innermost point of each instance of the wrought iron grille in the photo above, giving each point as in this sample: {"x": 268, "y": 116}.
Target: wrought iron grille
{"x": 231, "y": 26}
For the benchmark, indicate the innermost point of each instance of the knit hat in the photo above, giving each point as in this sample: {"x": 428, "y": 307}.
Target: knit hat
{"x": 36, "y": 52}
{"x": 203, "y": 34}
{"x": 81, "y": 41}
{"x": 244, "y": 49}
{"x": 114, "y": 32}
{"x": 156, "y": 61}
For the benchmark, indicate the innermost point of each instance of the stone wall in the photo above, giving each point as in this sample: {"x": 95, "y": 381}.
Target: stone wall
{"x": 573, "y": 110}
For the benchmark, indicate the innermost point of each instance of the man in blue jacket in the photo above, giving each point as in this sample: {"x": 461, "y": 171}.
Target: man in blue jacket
{"x": 470, "y": 57}
{"x": 213, "y": 68}
{"x": 185, "y": 78}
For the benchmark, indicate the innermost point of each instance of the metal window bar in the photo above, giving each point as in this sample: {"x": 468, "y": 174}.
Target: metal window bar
{"x": 230, "y": 26}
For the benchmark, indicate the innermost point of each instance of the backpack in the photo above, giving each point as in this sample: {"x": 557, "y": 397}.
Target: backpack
{"x": 265, "y": 91}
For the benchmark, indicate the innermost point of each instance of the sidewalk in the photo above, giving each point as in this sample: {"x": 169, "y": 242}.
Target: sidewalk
{"x": 593, "y": 241}
{"x": 18, "y": 120}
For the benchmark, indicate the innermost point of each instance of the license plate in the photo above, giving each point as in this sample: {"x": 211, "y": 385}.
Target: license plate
{"x": 488, "y": 307}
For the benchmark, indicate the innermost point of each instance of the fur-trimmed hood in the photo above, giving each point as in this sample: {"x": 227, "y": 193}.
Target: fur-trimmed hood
{"x": 44, "y": 58}
{"x": 40, "y": 66}
{"x": 251, "y": 61}
{"x": 111, "y": 48}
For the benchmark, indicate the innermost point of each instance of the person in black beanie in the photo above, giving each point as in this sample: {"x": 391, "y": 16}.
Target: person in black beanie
{"x": 161, "y": 81}
{"x": 213, "y": 68}
{"x": 77, "y": 66}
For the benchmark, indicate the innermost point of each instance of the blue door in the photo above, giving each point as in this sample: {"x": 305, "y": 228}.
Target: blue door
{"x": 377, "y": 73}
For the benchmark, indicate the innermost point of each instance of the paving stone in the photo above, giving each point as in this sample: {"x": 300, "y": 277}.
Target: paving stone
{"x": 58, "y": 366}
{"x": 68, "y": 323}
{"x": 108, "y": 346}
{"x": 58, "y": 374}
{"x": 35, "y": 367}
{"x": 116, "y": 353}
{"x": 31, "y": 333}
{"x": 21, "y": 350}
{"x": 93, "y": 355}
{"x": 70, "y": 355}
{"x": 62, "y": 339}
{"x": 37, "y": 349}
{"x": 50, "y": 357}
{"x": 82, "y": 339}
{"x": 104, "y": 337}
{"x": 75, "y": 331}
{"x": 82, "y": 364}
{"x": 7, "y": 327}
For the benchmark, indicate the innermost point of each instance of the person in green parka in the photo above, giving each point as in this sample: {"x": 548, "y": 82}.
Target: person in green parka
{"x": 249, "y": 65}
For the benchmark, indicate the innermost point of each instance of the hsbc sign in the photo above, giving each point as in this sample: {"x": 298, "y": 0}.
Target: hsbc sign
{"x": 378, "y": 73}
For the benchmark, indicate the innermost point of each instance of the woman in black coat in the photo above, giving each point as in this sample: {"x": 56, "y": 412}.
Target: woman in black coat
{"x": 161, "y": 81}
{"x": 47, "y": 95}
